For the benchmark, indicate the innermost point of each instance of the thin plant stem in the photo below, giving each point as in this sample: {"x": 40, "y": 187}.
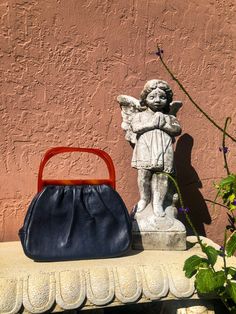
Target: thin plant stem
{"x": 223, "y": 295}
{"x": 224, "y": 149}
{"x": 223, "y": 299}
{"x": 191, "y": 99}
{"x": 224, "y": 259}
{"x": 182, "y": 205}
{"x": 215, "y": 203}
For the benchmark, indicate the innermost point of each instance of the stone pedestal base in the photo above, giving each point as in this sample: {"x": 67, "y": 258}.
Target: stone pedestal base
{"x": 159, "y": 240}
{"x": 152, "y": 232}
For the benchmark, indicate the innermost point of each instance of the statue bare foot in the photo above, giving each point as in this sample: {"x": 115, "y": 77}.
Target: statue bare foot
{"x": 141, "y": 205}
{"x": 158, "y": 211}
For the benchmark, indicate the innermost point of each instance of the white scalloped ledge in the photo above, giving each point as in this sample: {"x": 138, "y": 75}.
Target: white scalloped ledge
{"x": 140, "y": 276}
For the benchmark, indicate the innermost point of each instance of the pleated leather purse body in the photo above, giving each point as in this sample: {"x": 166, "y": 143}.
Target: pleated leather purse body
{"x": 76, "y": 219}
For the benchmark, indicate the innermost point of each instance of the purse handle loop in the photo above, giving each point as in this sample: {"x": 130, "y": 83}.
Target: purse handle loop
{"x": 58, "y": 150}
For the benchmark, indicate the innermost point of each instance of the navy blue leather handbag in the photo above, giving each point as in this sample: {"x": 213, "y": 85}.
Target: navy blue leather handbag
{"x": 76, "y": 219}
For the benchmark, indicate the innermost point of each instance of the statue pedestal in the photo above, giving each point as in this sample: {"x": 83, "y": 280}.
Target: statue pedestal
{"x": 152, "y": 232}
{"x": 158, "y": 240}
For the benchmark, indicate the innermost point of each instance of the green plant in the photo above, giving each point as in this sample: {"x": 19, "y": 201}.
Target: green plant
{"x": 208, "y": 279}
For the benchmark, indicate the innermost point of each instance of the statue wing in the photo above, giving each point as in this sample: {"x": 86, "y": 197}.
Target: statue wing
{"x": 174, "y": 107}
{"x": 129, "y": 107}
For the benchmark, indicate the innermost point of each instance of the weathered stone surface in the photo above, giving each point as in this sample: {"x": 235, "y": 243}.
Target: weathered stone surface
{"x": 188, "y": 307}
{"x": 158, "y": 233}
{"x": 140, "y": 276}
{"x": 150, "y": 125}
{"x": 159, "y": 240}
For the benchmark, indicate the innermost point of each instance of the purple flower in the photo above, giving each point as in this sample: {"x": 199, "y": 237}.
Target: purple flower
{"x": 184, "y": 210}
{"x": 159, "y": 52}
{"x": 224, "y": 149}
{"x": 234, "y": 202}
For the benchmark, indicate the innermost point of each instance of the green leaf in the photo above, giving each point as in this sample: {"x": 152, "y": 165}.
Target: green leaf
{"x": 205, "y": 282}
{"x": 192, "y": 264}
{"x": 231, "y": 244}
{"x": 211, "y": 253}
{"x": 208, "y": 281}
{"x": 232, "y": 207}
{"x": 231, "y": 289}
{"x": 228, "y": 180}
{"x": 232, "y": 197}
{"x": 231, "y": 271}
{"x": 219, "y": 279}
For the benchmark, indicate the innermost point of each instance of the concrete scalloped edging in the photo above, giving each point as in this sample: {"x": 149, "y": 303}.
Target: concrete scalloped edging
{"x": 99, "y": 286}
{"x": 140, "y": 277}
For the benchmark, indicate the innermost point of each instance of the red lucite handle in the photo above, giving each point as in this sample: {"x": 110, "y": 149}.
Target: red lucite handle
{"x": 58, "y": 150}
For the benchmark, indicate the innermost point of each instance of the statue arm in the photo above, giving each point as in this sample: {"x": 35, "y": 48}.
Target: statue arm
{"x": 170, "y": 125}
{"x": 139, "y": 126}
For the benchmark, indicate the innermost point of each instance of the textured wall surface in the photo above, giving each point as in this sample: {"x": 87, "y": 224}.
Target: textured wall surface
{"x": 63, "y": 62}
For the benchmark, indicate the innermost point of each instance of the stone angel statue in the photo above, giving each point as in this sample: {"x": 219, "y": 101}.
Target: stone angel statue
{"x": 150, "y": 125}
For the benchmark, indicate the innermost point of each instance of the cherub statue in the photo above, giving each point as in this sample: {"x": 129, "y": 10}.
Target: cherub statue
{"x": 151, "y": 125}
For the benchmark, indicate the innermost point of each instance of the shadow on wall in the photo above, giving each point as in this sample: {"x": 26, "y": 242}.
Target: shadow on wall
{"x": 190, "y": 184}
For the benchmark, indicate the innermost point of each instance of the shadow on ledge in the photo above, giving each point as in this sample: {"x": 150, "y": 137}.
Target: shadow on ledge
{"x": 157, "y": 307}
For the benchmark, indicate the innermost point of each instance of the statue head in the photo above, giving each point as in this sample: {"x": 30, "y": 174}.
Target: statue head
{"x": 153, "y": 87}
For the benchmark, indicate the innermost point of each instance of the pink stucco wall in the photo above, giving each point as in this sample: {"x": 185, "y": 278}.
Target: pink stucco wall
{"x": 63, "y": 63}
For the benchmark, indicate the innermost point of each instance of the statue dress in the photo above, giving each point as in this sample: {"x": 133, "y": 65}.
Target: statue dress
{"x": 153, "y": 149}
